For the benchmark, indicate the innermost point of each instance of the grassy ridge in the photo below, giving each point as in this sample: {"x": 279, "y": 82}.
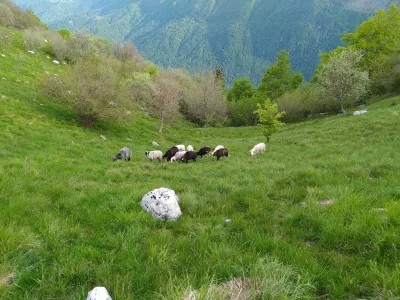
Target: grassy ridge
{"x": 70, "y": 219}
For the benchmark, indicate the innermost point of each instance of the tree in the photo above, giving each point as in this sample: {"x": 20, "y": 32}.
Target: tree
{"x": 379, "y": 35}
{"x": 342, "y": 80}
{"x": 92, "y": 90}
{"x": 141, "y": 89}
{"x": 166, "y": 105}
{"x": 278, "y": 78}
{"x": 268, "y": 115}
{"x": 242, "y": 88}
{"x": 206, "y": 101}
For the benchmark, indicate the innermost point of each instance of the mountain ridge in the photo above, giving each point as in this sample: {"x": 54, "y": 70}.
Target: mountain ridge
{"x": 243, "y": 38}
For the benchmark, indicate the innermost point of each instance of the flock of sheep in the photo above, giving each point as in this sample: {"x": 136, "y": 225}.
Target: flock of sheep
{"x": 180, "y": 153}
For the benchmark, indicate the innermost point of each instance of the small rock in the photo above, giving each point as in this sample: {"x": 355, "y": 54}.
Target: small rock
{"x": 98, "y": 293}
{"x": 326, "y": 202}
{"x": 3, "y": 97}
{"x": 48, "y": 57}
{"x": 64, "y": 63}
{"x": 162, "y": 203}
{"x": 56, "y": 75}
{"x": 228, "y": 221}
{"x": 103, "y": 137}
{"x": 56, "y": 62}
{"x": 41, "y": 104}
{"x": 303, "y": 204}
{"x": 2, "y": 55}
{"x": 129, "y": 139}
{"x": 30, "y": 123}
{"x": 30, "y": 51}
{"x": 46, "y": 41}
{"x": 4, "y": 78}
{"x": 155, "y": 144}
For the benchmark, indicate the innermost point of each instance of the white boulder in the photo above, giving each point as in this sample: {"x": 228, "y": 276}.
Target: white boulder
{"x": 359, "y": 112}
{"x": 56, "y": 62}
{"x": 155, "y": 144}
{"x": 98, "y": 293}
{"x": 162, "y": 203}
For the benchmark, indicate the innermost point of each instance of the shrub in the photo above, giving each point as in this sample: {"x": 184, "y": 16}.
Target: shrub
{"x": 34, "y": 39}
{"x": 65, "y": 33}
{"x": 91, "y": 89}
{"x": 6, "y": 15}
{"x": 304, "y": 101}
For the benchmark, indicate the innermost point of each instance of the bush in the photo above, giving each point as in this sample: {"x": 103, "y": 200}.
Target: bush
{"x": 91, "y": 89}
{"x": 6, "y": 16}
{"x": 34, "y": 39}
{"x": 304, "y": 101}
{"x": 5, "y": 38}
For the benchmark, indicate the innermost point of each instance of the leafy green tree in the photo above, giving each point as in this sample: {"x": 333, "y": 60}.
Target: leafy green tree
{"x": 342, "y": 80}
{"x": 65, "y": 33}
{"x": 242, "y": 88}
{"x": 380, "y": 35}
{"x": 278, "y": 78}
{"x": 268, "y": 115}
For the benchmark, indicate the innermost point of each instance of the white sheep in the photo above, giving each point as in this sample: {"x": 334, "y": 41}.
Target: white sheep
{"x": 178, "y": 156}
{"x": 156, "y": 154}
{"x": 217, "y": 148}
{"x": 190, "y": 148}
{"x": 181, "y": 147}
{"x": 258, "y": 148}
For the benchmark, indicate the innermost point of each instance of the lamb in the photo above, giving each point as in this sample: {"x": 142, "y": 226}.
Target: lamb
{"x": 155, "y": 154}
{"x": 181, "y": 147}
{"x": 190, "y": 148}
{"x": 170, "y": 153}
{"x": 257, "y": 148}
{"x": 204, "y": 151}
{"x": 221, "y": 152}
{"x": 125, "y": 154}
{"x": 178, "y": 156}
{"x": 189, "y": 155}
{"x": 217, "y": 148}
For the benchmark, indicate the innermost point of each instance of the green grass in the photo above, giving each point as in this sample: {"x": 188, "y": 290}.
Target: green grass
{"x": 70, "y": 218}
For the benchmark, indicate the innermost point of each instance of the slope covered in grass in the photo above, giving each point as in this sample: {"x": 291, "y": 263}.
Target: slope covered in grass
{"x": 70, "y": 218}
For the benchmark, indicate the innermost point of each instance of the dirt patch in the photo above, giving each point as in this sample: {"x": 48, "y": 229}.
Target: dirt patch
{"x": 6, "y": 279}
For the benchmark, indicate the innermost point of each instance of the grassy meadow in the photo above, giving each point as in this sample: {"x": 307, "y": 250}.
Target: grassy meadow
{"x": 315, "y": 216}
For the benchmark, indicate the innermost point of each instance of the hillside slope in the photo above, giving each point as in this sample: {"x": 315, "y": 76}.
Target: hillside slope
{"x": 314, "y": 216}
{"x": 242, "y": 37}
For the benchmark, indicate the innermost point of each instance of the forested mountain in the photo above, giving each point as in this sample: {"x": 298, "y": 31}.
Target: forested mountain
{"x": 243, "y": 37}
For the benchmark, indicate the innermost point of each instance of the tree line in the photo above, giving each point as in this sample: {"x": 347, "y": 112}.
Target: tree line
{"x": 107, "y": 80}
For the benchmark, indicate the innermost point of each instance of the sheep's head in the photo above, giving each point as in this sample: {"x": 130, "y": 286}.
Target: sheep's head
{"x": 147, "y": 153}
{"x": 252, "y": 152}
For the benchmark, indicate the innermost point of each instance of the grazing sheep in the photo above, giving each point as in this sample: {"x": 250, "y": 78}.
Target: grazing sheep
{"x": 217, "y": 148}
{"x": 204, "y": 151}
{"x": 178, "y": 156}
{"x": 170, "y": 153}
{"x": 190, "y": 148}
{"x": 125, "y": 154}
{"x": 155, "y": 154}
{"x": 181, "y": 147}
{"x": 221, "y": 152}
{"x": 189, "y": 155}
{"x": 257, "y": 148}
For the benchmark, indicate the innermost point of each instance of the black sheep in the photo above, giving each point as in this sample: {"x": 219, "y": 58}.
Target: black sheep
{"x": 204, "y": 151}
{"x": 189, "y": 155}
{"x": 221, "y": 152}
{"x": 170, "y": 153}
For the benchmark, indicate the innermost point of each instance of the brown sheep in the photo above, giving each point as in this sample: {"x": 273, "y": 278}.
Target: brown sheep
{"x": 220, "y": 153}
